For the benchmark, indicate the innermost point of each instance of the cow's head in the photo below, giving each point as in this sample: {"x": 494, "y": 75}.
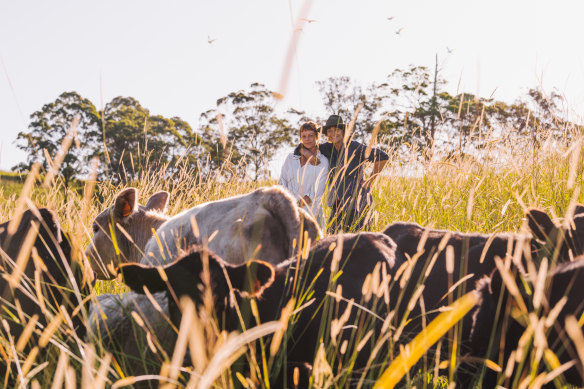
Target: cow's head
{"x": 122, "y": 230}
{"x": 184, "y": 277}
{"x": 566, "y": 239}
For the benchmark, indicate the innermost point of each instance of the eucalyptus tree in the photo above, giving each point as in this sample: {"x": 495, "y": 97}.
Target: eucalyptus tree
{"x": 65, "y": 134}
{"x": 252, "y": 128}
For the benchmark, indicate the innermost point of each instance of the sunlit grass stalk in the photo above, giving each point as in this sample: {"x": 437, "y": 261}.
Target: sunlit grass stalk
{"x": 415, "y": 349}
{"x": 462, "y": 194}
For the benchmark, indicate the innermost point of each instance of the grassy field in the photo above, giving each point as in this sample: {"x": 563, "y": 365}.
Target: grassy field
{"x": 461, "y": 195}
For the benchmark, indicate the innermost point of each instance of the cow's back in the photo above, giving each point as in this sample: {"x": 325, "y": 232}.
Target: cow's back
{"x": 473, "y": 257}
{"x": 261, "y": 224}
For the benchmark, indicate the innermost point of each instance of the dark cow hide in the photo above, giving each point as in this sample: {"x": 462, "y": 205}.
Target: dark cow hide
{"x": 50, "y": 257}
{"x": 473, "y": 257}
{"x": 500, "y": 322}
{"x": 273, "y": 286}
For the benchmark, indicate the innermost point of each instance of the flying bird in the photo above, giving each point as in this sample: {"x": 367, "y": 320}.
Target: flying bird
{"x": 399, "y": 31}
{"x": 210, "y": 40}
{"x": 449, "y": 50}
{"x": 390, "y": 18}
{"x": 309, "y": 20}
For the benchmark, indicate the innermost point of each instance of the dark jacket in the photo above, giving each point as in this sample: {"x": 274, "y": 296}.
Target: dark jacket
{"x": 348, "y": 168}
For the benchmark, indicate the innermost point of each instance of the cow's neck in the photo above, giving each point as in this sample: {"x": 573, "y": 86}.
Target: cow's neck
{"x": 140, "y": 229}
{"x": 270, "y": 304}
{"x": 142, "y": 235}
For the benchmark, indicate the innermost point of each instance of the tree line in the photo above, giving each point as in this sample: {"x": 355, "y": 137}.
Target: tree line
{"x": 241, "y": 134}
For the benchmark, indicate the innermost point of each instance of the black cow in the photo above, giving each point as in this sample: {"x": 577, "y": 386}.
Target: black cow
{"x": 473, "y": 258}
{"x": 562, "y": 242}
{"x": 500, "y": 321}
{"x": 50, "y": 256}
{"x": 361, "y": 254}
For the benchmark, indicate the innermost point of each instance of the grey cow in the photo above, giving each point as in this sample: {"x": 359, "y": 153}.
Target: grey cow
{"x": 262, "y": 224}
{"x": 140, "y": 345}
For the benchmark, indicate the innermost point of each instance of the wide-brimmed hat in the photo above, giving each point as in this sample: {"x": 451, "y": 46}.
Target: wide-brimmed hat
{"x": 334, "y": 121}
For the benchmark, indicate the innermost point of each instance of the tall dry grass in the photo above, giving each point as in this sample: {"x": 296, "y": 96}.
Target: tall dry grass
{"x": 488, "y": 192}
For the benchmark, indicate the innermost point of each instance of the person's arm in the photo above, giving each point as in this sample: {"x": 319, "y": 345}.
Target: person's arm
{"x": 305, "y": 200}
{"x": 324, "y": 148}
{"x": 379, "y": 159}
{"x": 376, "y": 154}
{"x": 285, "y": 174}
{"x": 377, "y": 168}
{"x": 320, "y": 183}
{"x": 297, "y": 149}
{"x": 308, "y": 155}
{"x": 314, "y": 189}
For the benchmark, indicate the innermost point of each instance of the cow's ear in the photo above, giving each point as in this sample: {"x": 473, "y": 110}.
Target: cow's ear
{"x": 251, "y": 278}
{"x": 579, "y": 210}
{"x": 540, "y": 223}
{"x": 136, "y": 276}
{"x": 125, "y": 203}
{"x": 158, "y": 202}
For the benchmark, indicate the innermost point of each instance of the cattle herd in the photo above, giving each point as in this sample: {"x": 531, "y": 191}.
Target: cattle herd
{"x": 249, "y": 257}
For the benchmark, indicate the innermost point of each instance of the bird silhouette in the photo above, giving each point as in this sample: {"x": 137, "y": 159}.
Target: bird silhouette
{"x": 399, "y": 31}
{"x": 390, "y": 18}
{"x": 210, "y": 40}
{"x": 449, "y": 50}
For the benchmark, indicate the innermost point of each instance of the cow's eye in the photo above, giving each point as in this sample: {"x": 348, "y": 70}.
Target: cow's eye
{"x": 95, "y": 228}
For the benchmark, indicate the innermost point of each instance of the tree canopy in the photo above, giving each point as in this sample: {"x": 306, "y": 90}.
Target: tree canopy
{"x": 253, "y": 129}
{"x": 241, "y": 134}
{"x": 51, "y": 125}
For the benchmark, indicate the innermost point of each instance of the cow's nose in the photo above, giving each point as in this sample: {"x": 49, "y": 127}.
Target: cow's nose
{"x": 90, "y": 253}
{"x": 99, "y": 271}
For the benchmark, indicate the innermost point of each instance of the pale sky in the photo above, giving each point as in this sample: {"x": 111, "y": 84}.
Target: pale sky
{"x": 158, "y": 52}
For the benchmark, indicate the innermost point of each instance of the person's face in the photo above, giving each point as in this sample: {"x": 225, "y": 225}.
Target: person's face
{"x": 334, "y": 135}
{"x": 308, "y": 138}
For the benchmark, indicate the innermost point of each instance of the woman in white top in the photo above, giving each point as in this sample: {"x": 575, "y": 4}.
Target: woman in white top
{"x": 305, "y": 177}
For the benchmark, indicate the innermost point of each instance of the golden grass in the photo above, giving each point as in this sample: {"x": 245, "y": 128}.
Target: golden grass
{"x": 485, "y": 195}
{"x": 412, "y": 352}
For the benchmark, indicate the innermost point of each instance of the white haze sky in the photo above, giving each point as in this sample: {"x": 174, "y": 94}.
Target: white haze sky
{"x": 158, "y": 52}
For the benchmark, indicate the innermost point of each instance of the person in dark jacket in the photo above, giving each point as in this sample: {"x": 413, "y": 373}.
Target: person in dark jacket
{"x": 349, "y": 195}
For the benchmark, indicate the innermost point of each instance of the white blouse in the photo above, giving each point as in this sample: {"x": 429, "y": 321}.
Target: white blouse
{"x": 308, "y": 180}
